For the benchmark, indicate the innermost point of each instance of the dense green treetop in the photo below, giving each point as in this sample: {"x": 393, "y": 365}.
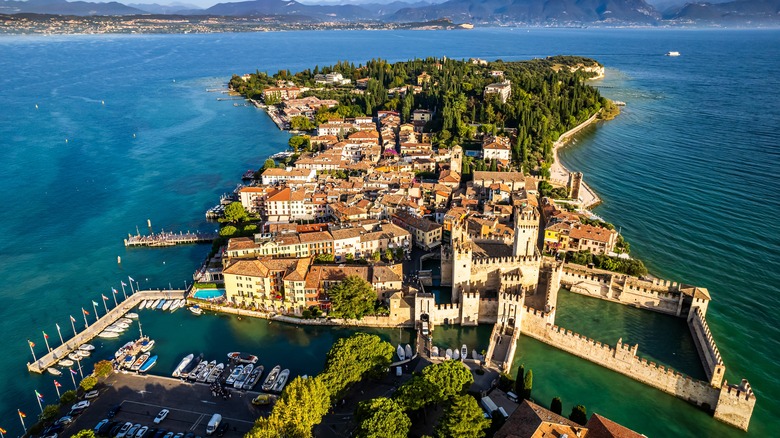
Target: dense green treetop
{"x": 382, "y": 418}
{"x": 352, "y": 298}
{"x": 416, "y": 393}
{"x": 448, "y": 378}
{"x": 462, "y": 419}
{"x": 353, "y": 358}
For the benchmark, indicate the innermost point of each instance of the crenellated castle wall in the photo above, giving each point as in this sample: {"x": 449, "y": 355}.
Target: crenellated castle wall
{"x": 708, "y": 350}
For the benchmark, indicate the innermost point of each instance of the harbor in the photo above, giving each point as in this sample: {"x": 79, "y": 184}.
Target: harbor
{"x": 167, "y": 238}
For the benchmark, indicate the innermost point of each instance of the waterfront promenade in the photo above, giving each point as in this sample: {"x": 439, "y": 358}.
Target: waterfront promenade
{"x": 62, "y": 351}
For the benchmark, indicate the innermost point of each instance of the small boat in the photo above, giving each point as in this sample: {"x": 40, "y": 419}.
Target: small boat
{"x": 253, "y": 378}
{"x": 142, "y": 305}
{"x": 132, "y": 315}
{"x": 65, "y": 363}
{"x": 175, "y": 306}
{"x": 126, "y": 320}
{"x": 147, "y": 345}
{"x": 271, "y": 379}
{"x": 455, "y": 354}
{"x": 242, "y": 357}
{"x": 128, "y": 361}
{"x": 281, "y": 380}
{"x": 448, "y": 354}
{"x": 74, "y": 356}
{"x": 241, "y": 379}
{"x": 185, "y": 373}
{"x": 112, "y": 329}
{"x": 204, "y": 373}
{"x": 86, "y": 347}
{"x": 215, "y": 373}
{"x": 400, "y": 352}
{"x": 165, "y": 305}
{"x": 234, "y": 375}
{"x": 155, "y": 304}
{"x": 475, "y": 355}
{"x": 148, "y": 364}
{"x": 184, "y": 362}
{"x": 672, "y": 53}
{"x": 408, "y": 351}
{"x": 150, "y": 304}
{"x": 464, "y": 352}
{"x": 249, "y": 174}
{"x": 140, "y": 361}
{"x": 54, "y": 371}
{"x": 434, "y": 351}
{"x": 196, "y": 310}
{"x": 83, "y": 353}
{"x": 122, "y": 349}
{"x": 122, "y": 325}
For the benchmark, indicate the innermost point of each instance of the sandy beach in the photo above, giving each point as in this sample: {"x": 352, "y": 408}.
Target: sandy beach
{"x": 559, "y": 174}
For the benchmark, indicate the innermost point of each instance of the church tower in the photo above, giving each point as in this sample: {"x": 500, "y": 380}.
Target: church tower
{"x": 456, "y": 159}
{"x": 526, "y": 231}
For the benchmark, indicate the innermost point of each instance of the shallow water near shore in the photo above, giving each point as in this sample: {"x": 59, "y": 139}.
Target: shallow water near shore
{"x": 687, "y": 171}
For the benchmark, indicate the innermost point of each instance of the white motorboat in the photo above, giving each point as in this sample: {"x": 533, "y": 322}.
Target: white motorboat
{"x": 122, "y": 325}
{"x": 281, "y": 380}
{"x": 240, "y": 357}
{"x": 150, "y": 304}
{"x": 140, "y": 361}
{"x": 408, "y": 351}
{"x": 464, "y": 352}
{"x": 54, "y": 371}
{"x": 108, "y": 335}
{"x": 83, "y": 353}
{"x": 204, "y": 373}
{"x": 271, "y": 379}
{"x": 196, "y": 310}
{"x": 114, "y": 329}
{"x": 434, "y": 351}
{"x": 234, "y": 375}
{"x": 122, "y": 349}
{"x": 448, "y": 354}
{"x": 142, "y": 305}
{"x": 155, "y": 304}
{"x": 167, "y": 305}
{"x": 215, "y": 373}
{"x": 241, "y": 379}
{"x": 147, "y": 345}
{"x": 184, "y": 362}
{"x": 65, "y": 363}
{"x": 455, "y": 354}
{"x": 175, "y": 306}
{"x": 127, "y": 321}
{"x": 400, "y": 352}
{"x": 132, "y": 315}
{"x": 672, "y": 53}
{"x": 253, "y": 378}
{"x": 128, "y": 361}
{"x": 148, "y": 364}
{"x": 86, "y": 347}
{"x": 74, "y": 356}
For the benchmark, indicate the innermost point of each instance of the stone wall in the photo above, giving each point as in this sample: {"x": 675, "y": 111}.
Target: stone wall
{"x": 735, "y": 404}
{"x": 708, "y": 350}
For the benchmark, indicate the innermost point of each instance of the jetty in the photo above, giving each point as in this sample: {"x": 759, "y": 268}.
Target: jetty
{"x": 165, "y": 238}
{"x": 83, "y": 337}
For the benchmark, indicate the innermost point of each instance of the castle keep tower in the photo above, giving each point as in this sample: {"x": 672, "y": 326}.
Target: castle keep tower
{"x": 456, "y": 159}
{"x": 526, "y": 231}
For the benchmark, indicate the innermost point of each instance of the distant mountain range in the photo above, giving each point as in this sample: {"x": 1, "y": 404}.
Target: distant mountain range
{"x": 487, "y": 12}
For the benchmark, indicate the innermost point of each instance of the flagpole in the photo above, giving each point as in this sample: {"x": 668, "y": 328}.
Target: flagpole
{"x": 60, "y": 333}
{"x": 73, "y": 373}
{"x": 123, "y": 290}
{"x": 35, "y": 359}
{"x": 104, "y": 303}
{"x": 81, "y": 373}
{"x": 84, "y": 314}
{"x": 2, "y": 435}
{"x": 46, "y": 340}
{"x": 39, "y": 401}
{"x": 113, "y": 293}
{"x": 57, "y": 388}
{"x": 73, "y": 324}
{"x": 21, "y": 418}
{"x": 131, "y": 284}
{"x": 94, "y": 306}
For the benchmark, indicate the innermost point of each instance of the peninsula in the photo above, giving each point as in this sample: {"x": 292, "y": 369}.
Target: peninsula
{"x": 395, "y": 165}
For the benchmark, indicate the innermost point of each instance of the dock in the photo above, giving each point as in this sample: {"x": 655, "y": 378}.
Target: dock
{"x": 165, "y": 238}
{"x": 83, "y": 337}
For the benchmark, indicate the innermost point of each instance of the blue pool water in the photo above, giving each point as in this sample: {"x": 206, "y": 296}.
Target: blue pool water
{"x": 208, "y": 294}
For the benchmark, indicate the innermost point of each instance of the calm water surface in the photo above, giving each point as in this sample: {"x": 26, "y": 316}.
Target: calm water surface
{"x": 125, "y": 131}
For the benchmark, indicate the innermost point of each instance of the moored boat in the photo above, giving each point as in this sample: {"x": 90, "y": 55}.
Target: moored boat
{"x": 155, "y": 304}
{"x": 253, "y": 378}
{"x": 65, "y": 363}
{"x": 86, "y": 347}
{"x": 140, "y": 361}
{"x": 271, "y": 379}
{"x": 122, "y": 325}
{"x": 464, "y": 352}
{"x": 242, "y": 357}
{"x": 123, "y": 349}
{"x": 74, "y": 356}
{"x": 150, "y": 303}
{"x": 128, "y": 361}
{"x": 166, "y": 305}
{"x": 196, "y": 310}
{"x": 83, "y": 353}
{"x": 241, "y": 379}
{"x": 132, "y": 315}
{"x": 672, "y": 53}
{"x": 281, "y": 380}
{"x": 400, "y": 352}
{"x": 54, "y": 371}
{"x": 215, "y": 373}
{"x": 448, "y": 354}
{"x": 204, "y": 373}
{"x": 142, "y": 305}
{"x": 148, "y": 364}
{"x": 185, "y": 373}
{"x": 127, "y": 321}
{"x": 147, "y": 345}
{"x": 455, "y": 354}
{"x": 234, "y": 375}
{"x": 408, "y": 351}
{"x": 184, "y": 362}
{"x": 434, "y": 351}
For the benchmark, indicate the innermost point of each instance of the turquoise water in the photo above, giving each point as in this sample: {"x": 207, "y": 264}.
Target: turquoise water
{"x": 208, "y": 294}
{"x": 687, "y": 171}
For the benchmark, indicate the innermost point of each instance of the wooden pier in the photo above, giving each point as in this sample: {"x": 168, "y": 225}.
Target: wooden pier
{"x": 62, "y": 351}
{"x": 169, "y": 239}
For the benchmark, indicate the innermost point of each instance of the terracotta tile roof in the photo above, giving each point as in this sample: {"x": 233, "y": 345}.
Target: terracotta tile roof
{"x": 601, "y": 427}
{"x": 346, "y": 233}
{"x": 238, "y": 243}
{"x": 287, "y": 195}
{"x": 318, "y": 236}
{"x": 598, "y": 234}
{"x": 531, "y": 420}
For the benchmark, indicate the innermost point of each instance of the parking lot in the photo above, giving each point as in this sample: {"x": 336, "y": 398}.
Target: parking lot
{"x": 191, "y": 405}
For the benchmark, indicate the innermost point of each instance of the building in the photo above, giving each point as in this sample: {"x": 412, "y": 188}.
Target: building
{"x": 503, "y": 89}
{"x": 283, "y": 93}
{"x": 287, "y": 205}
{"x": 422, "y": 115}
{"x": 277, "y": 175}
{"x": 597, "y": 240}
{"x": 497, "y": 148}
{"x": 425, "y": 234}
{"x": 270, "y": 284}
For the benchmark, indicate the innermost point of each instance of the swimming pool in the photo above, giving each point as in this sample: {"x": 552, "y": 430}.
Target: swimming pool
{"x": 208, "y": 294}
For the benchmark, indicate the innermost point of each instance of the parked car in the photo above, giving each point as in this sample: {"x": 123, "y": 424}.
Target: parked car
{"x": 66, "y": 420}
{"x": 53, "y": 429}
{"x": 179, "y": 435}
{"x": 92, "y": 394}
{"x": 123, "y": 431}
{"x": 106, "y": 429}
{"x": 81, "y": 405}
{"x": 223, "y": 427}
{"x": 114, "y": 410}
{"x": 150, "y": 432}
{"x": 169, "y": 435}
{"x": 141, "y": 432}
{"x": 75, "y": 412}
{"x": 115, "y": 430}
{"x": 160, "y": 433}
{"x": 102, "y": 423}
{"x": 161, "y": 416}
{"x": 51, "y": 435}
{"x": 133, "y": 430}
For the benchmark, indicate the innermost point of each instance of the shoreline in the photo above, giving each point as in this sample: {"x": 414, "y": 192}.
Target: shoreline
{"x": 560, "y": 173}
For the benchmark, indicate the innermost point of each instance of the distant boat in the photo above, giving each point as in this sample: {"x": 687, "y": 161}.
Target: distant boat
{"x": 455, "y": 354}
{"x": 65, "y": 363}
{"x": 281, "y": 380}
{"x": 672, "y": 53}
{"x": 126, "y": 321}
{"x": 464, "y": 352}
{"x": 74, "y": 356}
{"x": 241, "y": 379}
{"x": 160, "y": 305}
{"x": 448, "y": 354}
{"x": 142, "y": 305}
{"x": 400, "y": 352}
{"x": 191, "y": 367}
{"x": 140, "y": 361}
{"x": 167, "y": 305}
{"x": 408, "y": 351}
{"x": 271, "y": 379}
{"x": 151, "y": 303}
{"x": 54, "y": 371}
{"x": 108, "y": 335}
{"x": 196, "y": 310}
{"x": 132, "y": 315}
{"x": 128, "y": 361}
{"x": 234, "y": 375}
{"x": 86, "y": 347}
{"x": 154, "y": 304}
{"x": 83, "y": 353}
{"x": 184, "y": 362}
{"x": 148, "y": 364}
{"x": 204, "y": 373}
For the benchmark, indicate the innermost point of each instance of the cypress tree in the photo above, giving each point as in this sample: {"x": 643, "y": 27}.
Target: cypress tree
{"x": 579, "y": 415}
{"x": 556, "y": 405}
{"x": 528, "y": 384}
{"x": 519, "y": 380}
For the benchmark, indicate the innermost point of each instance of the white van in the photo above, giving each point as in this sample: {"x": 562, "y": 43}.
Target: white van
{"x": 213, "y": 424}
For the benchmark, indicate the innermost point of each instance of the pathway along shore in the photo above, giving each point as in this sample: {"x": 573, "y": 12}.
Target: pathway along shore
{"x": 560, "y": 174}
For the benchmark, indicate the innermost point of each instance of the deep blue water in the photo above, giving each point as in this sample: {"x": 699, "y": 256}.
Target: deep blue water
{"x": 688, "y": 170}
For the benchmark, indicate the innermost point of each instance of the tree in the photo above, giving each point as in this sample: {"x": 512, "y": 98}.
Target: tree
{"x": 462, "y": 418}
{"x": 381, "y": 418}
{"x": 234, "y": 212}
{"x": 519, "y": 380}
{"x": 352, "y": 298}
{"x": 505, "y": 382}
{"x": 48, "y": 413}
{"x": 302, "y": 405}
{"x": 353, "y": 358}
{"x": 228, "y": 231}
{"x": 556, "y": 405}
{"x": 579, "y": 415}
{"x": 85, "y": 433}
{"x": 376, "y": 256}
{"x": 448, "y": 378}
{"x": 269, "y": 164}
{"x": 415, "y": 394}
{"x": 528, "y": 384}
{"x": 301, "y": 123}
{"x": 389, "y": 255}
{"x": 88, "y": 383}
{"x": 324, "y": 258}
{"x": 300, "y": 142}
{"x": 103, "y": 368}
{"x": 68, "y": 396}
